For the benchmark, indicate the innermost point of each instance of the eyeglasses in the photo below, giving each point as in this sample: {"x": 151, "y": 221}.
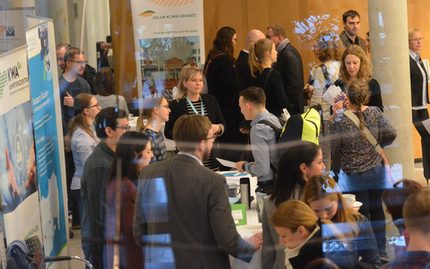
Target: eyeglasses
{"x": 417, "y": 39}
{"x": 80, "y": 62}
{"x": 124, "y": 127}
{"x": 96, "y": 105}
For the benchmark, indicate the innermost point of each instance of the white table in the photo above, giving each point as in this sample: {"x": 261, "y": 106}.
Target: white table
{"x": 252, "y": 227}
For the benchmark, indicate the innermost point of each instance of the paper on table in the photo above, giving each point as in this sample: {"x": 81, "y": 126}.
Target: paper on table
{"x": 226, "y": 163}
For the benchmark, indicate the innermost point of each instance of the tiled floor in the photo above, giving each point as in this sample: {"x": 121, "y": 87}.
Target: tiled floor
{"x": 75, "y": 242}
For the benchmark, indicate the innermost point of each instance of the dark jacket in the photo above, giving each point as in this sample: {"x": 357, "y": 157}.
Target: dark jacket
{"x": 375, "y": 94}
{"x": 346, "y": 41}
{"x": 290, "y": 67}
{"x": 223, "y": 85}
{"x": 94, "y": 182}
{"x": 270, "y": 81}
{"x": 243, "y": 71}
{"x": 186, "y": 206}
{"x": 179, "y": 108}
{"x": 416, "y": 83}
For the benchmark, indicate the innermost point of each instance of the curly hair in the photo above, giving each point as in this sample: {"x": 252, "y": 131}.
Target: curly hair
{"x": 365, "y": 71}
{"x": 328, "y": 46}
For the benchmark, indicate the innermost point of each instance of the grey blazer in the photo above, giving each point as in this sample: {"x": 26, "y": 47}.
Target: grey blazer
{"x": 182, "y": 213}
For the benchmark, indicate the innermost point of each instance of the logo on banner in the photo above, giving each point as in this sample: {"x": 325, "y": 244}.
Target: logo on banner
{"x": 14, "y": 78}
{"x": 12, "y": 72}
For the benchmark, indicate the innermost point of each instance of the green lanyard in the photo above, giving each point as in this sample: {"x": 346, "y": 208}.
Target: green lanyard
{"x": 202, "y": 112}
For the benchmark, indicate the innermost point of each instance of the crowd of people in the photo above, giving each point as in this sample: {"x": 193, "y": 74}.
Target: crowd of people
{"x": 138, "y": 208}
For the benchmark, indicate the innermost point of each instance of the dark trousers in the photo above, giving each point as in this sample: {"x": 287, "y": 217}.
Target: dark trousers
{"x": 75, "y": 203}
{"x": 70, "y": 171}
{"x": 418, "y": 116}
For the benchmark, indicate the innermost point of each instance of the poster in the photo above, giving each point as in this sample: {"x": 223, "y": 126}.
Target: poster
{"x": 18, "y": 181}
{"x": 168, "y": 34}
{"x": 48, "y": 136}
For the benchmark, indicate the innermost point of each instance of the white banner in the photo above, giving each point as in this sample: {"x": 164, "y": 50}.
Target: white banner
{"x": 168, "y": 34}
{"x": 18, "y": 181}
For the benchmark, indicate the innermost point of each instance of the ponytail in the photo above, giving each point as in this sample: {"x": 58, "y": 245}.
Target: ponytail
{"x": 253, "y": 61}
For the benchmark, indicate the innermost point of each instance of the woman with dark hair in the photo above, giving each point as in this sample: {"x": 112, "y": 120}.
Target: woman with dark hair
{"x": 362, "y": 166}
{"x": 83, "y": 140}
{"x": 222, "y": 82}
{"x": 104, "y": 83}
{"x": 297, "y": 164}
{"x": 132, "y": 154}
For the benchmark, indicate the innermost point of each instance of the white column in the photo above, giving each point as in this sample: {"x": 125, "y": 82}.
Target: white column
{"x": 389, "y": 52}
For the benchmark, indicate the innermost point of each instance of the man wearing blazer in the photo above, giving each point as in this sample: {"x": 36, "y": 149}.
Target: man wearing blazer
{"x": 182, "y": 215}
{"x": 419, "y": 95}
{"x": 290, "y": 66}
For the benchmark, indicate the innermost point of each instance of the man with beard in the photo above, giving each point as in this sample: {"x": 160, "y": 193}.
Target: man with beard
{"x": 351, "y": 25}
{"x": 182, "y": 216}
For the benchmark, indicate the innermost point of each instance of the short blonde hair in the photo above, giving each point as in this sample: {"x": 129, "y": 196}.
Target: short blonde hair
{"x": 294, "y": 213}
{"x": 365, "y": 71}
{"x": 187, "y": 72}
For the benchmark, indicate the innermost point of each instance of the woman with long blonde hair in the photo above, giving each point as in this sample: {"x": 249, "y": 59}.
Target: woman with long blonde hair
{"x": 83, "y": 140}
{"x": 262, "y": 55}
{"x": 355, "y": 65}
{"x": 324, "y": 197}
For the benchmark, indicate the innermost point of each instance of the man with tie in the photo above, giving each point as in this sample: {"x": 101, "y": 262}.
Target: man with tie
{"x": 419, "y": 94}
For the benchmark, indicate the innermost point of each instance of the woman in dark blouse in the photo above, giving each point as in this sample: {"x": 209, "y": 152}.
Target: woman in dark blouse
{"x": 192, "y": 101}
{"x": 356, "y": 65}
{"x": 222, "y": 82}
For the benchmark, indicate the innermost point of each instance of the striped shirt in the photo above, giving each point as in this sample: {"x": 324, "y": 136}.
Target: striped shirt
{"x": 199, "y": 107}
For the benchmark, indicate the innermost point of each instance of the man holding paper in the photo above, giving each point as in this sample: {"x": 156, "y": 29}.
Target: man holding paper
{"x": 252, "y": 102}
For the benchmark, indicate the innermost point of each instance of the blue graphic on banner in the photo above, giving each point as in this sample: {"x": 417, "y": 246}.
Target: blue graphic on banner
{"x": 17, "y": 176}
{"x": 47, "y": 147}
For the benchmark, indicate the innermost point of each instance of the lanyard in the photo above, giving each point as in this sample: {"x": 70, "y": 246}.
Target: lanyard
{"x": 202, "y": 111}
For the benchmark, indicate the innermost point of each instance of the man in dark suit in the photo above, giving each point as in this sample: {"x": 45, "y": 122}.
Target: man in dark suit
{"x": 242, "y": 66}
{"x": 419, "y": 94}
{"x": 290, "y": 66}
{"x": 182, "y": 215}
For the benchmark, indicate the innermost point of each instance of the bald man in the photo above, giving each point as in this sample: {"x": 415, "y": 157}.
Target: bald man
{"x": 242, "y": 67}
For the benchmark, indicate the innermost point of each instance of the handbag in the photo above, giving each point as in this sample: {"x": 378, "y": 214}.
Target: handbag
{"x": 373, "y": 142}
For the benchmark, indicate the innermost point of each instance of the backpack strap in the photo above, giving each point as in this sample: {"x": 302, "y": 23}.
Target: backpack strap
{"x": 277, "y": 133}
{"x": 366, "y": 131}
{"x": 326, "y": 76}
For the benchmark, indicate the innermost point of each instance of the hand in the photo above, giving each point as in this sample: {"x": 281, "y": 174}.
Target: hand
{"x": 68, "y": 100}
{"x": 239, "y": 166}
{"x": 216, "y": 128}
{"x": 13, "y": 186}
{"x": 256, "y": 240}
{"x": 31, "y": 169}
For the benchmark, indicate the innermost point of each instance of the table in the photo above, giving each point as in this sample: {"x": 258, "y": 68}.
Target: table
{"x": 253, "y": 225}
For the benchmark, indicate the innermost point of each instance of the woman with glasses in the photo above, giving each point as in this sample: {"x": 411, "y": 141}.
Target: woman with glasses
{"x": 104, "y": 83}
{"x": 82, "y": 140}
{"x": 156, "y": 113}
{"x": 191, "y": 100}
{"x": 419, "y": 94}
{"x": 133, "y": 153}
